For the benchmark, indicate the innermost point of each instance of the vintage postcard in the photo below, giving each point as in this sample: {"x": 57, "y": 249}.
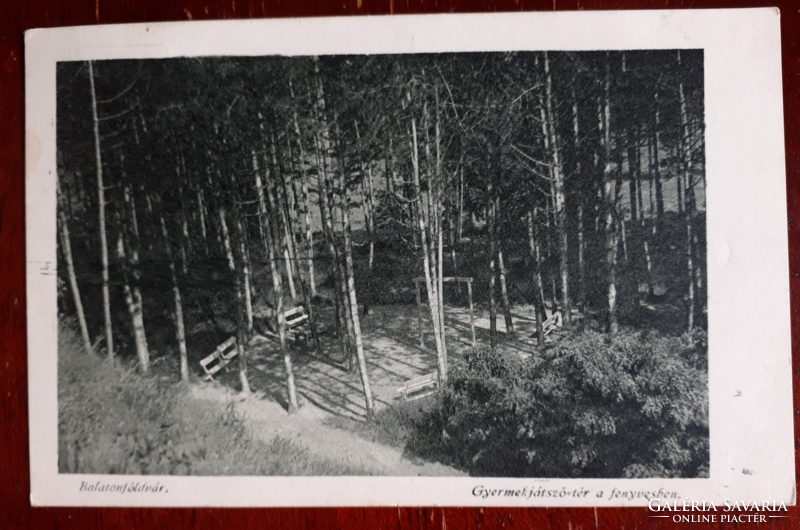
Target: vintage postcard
{"x": 463, "y": 260}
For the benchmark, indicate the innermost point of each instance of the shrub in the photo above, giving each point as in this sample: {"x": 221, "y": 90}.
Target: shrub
{"x": 630, "y": 405}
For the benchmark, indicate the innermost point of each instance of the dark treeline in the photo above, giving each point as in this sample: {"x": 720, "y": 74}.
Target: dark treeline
{"x": 577, "y": 179}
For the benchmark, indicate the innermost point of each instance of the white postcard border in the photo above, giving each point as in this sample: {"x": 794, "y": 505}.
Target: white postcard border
{"x": 749, "y": 315}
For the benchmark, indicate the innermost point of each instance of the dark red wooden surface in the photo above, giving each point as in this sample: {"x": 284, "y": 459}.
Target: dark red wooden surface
{"x": 15, "y": 510}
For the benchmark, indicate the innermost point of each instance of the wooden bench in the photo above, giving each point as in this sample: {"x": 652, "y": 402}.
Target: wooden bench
{"x": 296, "y": 322}
{"x": 221, "y": 357}
{"x": 413, "y": 386}
{"x": 551, "y": 323}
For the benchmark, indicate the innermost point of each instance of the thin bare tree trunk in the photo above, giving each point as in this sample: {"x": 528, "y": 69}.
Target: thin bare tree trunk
{"x": 461, "y": 204}
{"x": 560, "y": 195}
{"x": 688, "y": 196}
{"x": 272, "y": 235}
{"x": 504, "y": 293}
{"x": 656, "y": 165}
{"x": 368, "y": 207}
{"x": 131, "y": 238}
{"x": 339, "y": 187}
{"x": 426, "y": 265}
{"x": 679, "y": 184}
{"x": 351, "y": 292}
{"x": 283, "y": 222}
{"x": 581, "y": 258}
{"x": 439, "y": 184}
{"x": 622, "y": 231}
{"x": 348, "y": 329}
{"x": 101, "y": 207}
{"x": 492, "y": 266}
{"x": 226, "y": 238}
{"x": 371, "y": 201}
{"x": 611, "y": 231}
{"x": 578, "y": 168}
{"x": 134, "y": 309}
{"x": 340, "y": 292}
{"x": 248, "y": 299}
{"x": 180, "y": 331}
{"x": 201, "y": 210}
{"x": 306, "y": 201}
{"x": 73, "y": 280}
{"x": 538, "y": 301}
{"x": 243, "y": 331}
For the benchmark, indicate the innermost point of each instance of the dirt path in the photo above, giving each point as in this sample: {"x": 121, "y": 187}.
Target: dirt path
{"x": 326, "y": 389}
{"x": 266, "y": 419}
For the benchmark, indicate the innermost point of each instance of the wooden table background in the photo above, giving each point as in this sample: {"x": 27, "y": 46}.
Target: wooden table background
{"x": 15, "y": 511}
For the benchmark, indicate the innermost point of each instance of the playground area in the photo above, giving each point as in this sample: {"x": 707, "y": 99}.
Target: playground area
{"x": 393, "y": 355}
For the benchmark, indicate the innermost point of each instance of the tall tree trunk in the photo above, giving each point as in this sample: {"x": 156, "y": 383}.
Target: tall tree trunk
{"x": 324, "y": 148}
{"x": 581, "y": 258}
{"x": 306, "y": 200}
{"x": 430, "y": 213}
{"x": 272, "y": 235}
{"x": 633, "y": 179}
{"x": 389, "y": 166}
{"x": 652, "y": 230}
{"x": 134, "y": 310}
{"x": 501, "y": 268}
{"x": 688, "y": 209}
{"x": 560, "y": 195}
{"x": 426, "y": 262}
{"x": 73, "y": 280}
{"x": 281, "y": 219}
{"x": 340, "y": 290}
{"x": 610, "y": 200}
{"x": 131, "y": 235}
{"x": 460, "y": 204}
{"x": 241, "y": 338}
{"x": 438, "y": 187}
{"x": 538, "y": 295}
{"x": 226, "y": 238}
{"x": 679, "y": 185}
{"x": 578, "y": 175}
{"x": 211, "y": 206}
{"x": 180, "y": 331}
{"x": 241, "y": 284}
{"x": 101, "y": 207}
{"x": 184, "y": 240}
{"x": 656, "y": 175}
{"x": 201, "y": 209}
{"x": 245, "y": 273}
{"x": 351, "y": 292}
{"x": 640, "y": 255}
{"x": 368, "y": 207}
{"x": 371, "y": 201}
{"x": 338, "y": 182}
{"x": 492, "y": 265}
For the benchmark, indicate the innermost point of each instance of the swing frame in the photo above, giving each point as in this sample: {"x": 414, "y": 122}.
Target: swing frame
{"x": 419, "y": 281}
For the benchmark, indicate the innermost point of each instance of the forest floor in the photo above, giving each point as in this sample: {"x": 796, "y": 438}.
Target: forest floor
{"x": 328, "y": 391}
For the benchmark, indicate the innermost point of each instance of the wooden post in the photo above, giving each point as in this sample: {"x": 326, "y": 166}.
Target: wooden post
{"x": 471, "y": 317}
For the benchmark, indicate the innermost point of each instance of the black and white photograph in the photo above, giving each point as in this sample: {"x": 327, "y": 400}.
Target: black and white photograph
{"x": 488, "y": 264}
{"x": 472, "y": 264}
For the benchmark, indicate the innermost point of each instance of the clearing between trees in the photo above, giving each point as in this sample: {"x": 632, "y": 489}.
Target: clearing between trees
{"x": 399, "y": 202}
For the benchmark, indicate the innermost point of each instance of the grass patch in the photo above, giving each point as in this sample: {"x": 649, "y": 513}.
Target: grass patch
{"x": 113, "y": 420}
